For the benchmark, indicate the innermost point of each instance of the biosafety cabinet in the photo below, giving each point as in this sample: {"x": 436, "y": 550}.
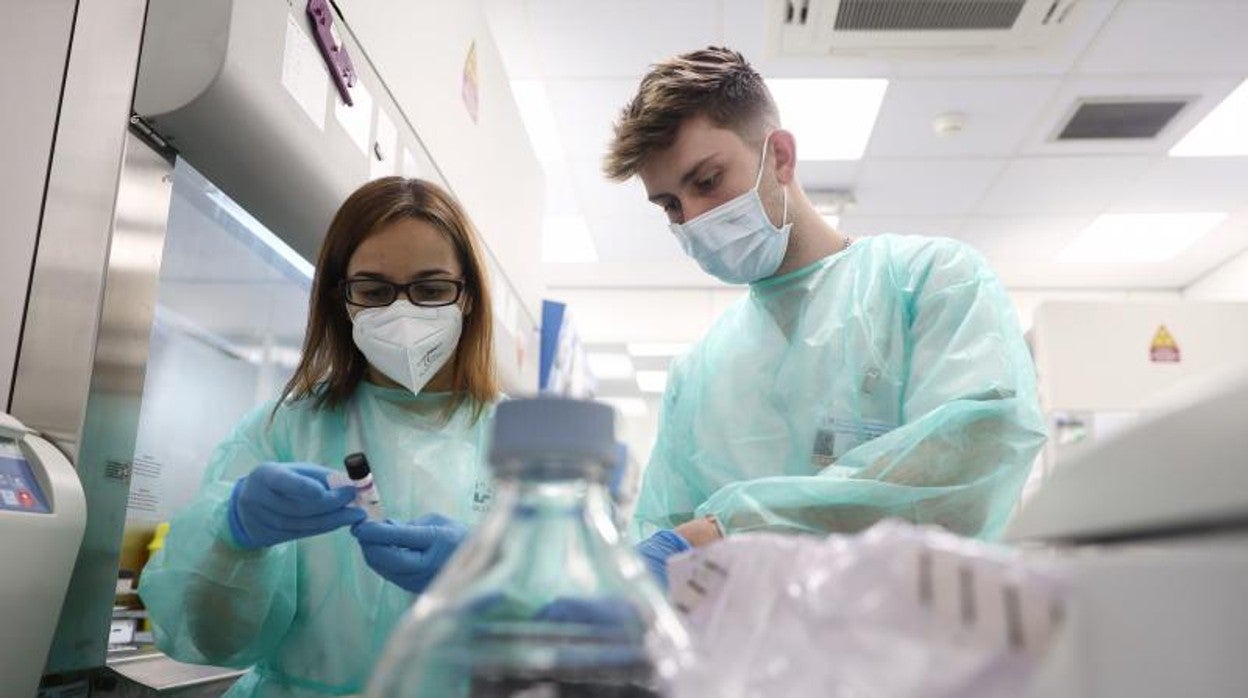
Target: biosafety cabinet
{"x": 197, "y": 153}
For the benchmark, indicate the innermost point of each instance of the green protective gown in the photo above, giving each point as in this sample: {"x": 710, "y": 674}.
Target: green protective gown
{"x": 310, "y": 615}
{"x": 890, "y": 379}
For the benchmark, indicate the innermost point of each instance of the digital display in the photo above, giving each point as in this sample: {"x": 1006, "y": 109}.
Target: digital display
{"x": 19, "y": 490}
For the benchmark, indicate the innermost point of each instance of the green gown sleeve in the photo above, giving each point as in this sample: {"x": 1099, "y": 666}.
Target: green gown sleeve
{"x": 210, "y": 601}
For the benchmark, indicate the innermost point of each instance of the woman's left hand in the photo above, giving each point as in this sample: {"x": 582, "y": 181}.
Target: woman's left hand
{"x": 410, "y": 554}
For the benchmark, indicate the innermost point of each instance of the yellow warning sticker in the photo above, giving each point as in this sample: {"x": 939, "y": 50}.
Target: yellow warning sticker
{"x": 1164, "y": 349}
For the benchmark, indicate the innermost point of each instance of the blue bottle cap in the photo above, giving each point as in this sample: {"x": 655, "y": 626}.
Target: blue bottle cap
{"x": 553, "y": 437}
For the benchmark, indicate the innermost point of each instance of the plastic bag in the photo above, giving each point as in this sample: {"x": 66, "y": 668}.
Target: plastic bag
{"x": 897, "y": 610}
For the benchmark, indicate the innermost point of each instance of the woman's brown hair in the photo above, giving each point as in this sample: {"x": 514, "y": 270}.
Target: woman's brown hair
{"x": 331, "y": 366}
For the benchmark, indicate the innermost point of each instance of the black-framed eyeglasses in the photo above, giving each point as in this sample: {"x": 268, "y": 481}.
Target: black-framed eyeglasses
{"x": 378, "y": 293}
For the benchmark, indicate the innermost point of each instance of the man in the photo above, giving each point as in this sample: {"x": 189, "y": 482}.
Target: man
{"x": 858, "y": 380}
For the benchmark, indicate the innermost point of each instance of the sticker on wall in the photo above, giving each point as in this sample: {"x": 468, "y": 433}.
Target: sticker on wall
{"x": 356, "y": 119}
{"x": 303, "y": 74}
{"x": 470, "y": 90}
{"x": 1164, "y": 349}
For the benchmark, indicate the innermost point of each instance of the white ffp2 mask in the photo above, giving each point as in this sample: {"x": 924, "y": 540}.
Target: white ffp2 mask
{"x": 736, "y": 242}
{"x": 408, "y": 343}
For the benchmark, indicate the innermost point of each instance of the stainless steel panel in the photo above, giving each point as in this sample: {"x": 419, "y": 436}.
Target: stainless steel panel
{"x": 84, "y": 342}
{"x": 40, "y": 47}
{"x": 54, "y": 364}
{"x": 112, "y": 414}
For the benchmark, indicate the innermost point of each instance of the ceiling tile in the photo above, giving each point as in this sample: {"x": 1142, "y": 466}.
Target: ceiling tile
{"x": 924, "y": 187}
{"x": 1181, "y": 185}
{"x": 1023, "y": 251}
{"x": 636, "y": 238}
{"x": 938, "y": 226}
{"x": 1170, "y": 37}
{"x": 617, "y": 39}
{"x": 828, "y": 174}
{"x": 1062, "y": 186}
{"x": 585, "y": 112}
{"x": 598, "y": 195}
{"x": 998, "y": 112}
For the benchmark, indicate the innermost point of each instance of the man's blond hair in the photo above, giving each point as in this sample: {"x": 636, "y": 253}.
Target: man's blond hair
{"x": 717, "y": 83}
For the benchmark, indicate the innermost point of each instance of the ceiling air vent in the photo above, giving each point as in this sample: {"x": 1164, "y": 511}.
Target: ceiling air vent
{"x": 1120, "y": 119}
{"x": 918, "y": 15}
{"x": 921, "y": 28}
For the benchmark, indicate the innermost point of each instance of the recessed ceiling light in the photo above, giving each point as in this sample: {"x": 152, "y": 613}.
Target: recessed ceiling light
{"x": 831, "y": 118}
{"x": 610, "y": 366}
{"x": 566, "y": 239}
{"x": 1138, "y": 238}
{"x": 1221, "y": 132}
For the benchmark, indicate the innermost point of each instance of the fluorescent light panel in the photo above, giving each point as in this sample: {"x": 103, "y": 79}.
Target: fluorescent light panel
{"x": 539, "y": 120}
{"x": 657, "y": 348}
{"x": 610, "y": 366}
{"x": 1223, "y": 131}
{"x": 831, "y": 118}
{"x": 652, "y": 381}
{"x": 566, "y": 239}
{"x": 1138, "y": 238}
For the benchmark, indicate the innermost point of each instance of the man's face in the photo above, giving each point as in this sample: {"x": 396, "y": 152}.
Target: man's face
{"x": 705, "y": 167}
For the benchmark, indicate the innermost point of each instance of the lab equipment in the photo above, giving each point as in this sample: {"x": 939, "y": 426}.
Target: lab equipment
{"x": 889, "y": 379}
{"x": 280, "y": 502}
{"x": 278, "y": 607}
{"x": 1151, "y": 525}
{"x": 656, "y": 550}
{"x": 542, "y": 599}
{"x": 360, "y": 476}
{"x": 43, "y": 514}
{"x": 410, "y": 554}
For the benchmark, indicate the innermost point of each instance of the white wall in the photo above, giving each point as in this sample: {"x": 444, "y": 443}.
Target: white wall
{"x": 35, "y": 50}
{"x": 1094, "y": 356}
{"x": 1026, "y": 301}
{"x": 1228, "y": 282}
{"x": 419, "y": 48}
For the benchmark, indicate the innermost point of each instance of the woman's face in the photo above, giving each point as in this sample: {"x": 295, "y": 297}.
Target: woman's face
{"x": 402, "y": 252}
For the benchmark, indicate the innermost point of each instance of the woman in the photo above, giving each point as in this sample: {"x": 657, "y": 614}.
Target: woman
{"x": 272, "y": 565}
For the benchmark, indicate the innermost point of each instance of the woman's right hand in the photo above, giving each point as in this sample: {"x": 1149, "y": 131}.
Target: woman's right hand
{"x": 278, "y": 502}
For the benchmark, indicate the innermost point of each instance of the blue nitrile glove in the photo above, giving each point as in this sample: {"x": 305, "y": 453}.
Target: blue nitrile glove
{"x": 656, "y": 549}
{"x": 278, "y": 502}
{"x": 410, "y": 554}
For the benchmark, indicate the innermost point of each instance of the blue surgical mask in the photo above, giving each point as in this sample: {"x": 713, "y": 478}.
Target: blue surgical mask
{"x": 736, "y": 242}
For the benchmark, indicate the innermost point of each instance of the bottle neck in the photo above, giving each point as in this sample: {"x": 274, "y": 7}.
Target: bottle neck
{"x": 558, "y": 502}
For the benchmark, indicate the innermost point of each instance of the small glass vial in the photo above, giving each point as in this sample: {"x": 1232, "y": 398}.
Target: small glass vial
{"x": 366, "y": 495}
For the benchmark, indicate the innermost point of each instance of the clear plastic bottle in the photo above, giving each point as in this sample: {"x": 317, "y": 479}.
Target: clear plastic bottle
{"x": 543, "y": 600}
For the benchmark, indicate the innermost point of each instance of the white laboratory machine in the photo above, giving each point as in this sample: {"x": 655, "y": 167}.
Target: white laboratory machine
{"x": 42, "y": 518}
{"x": 1151, "y": 526}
